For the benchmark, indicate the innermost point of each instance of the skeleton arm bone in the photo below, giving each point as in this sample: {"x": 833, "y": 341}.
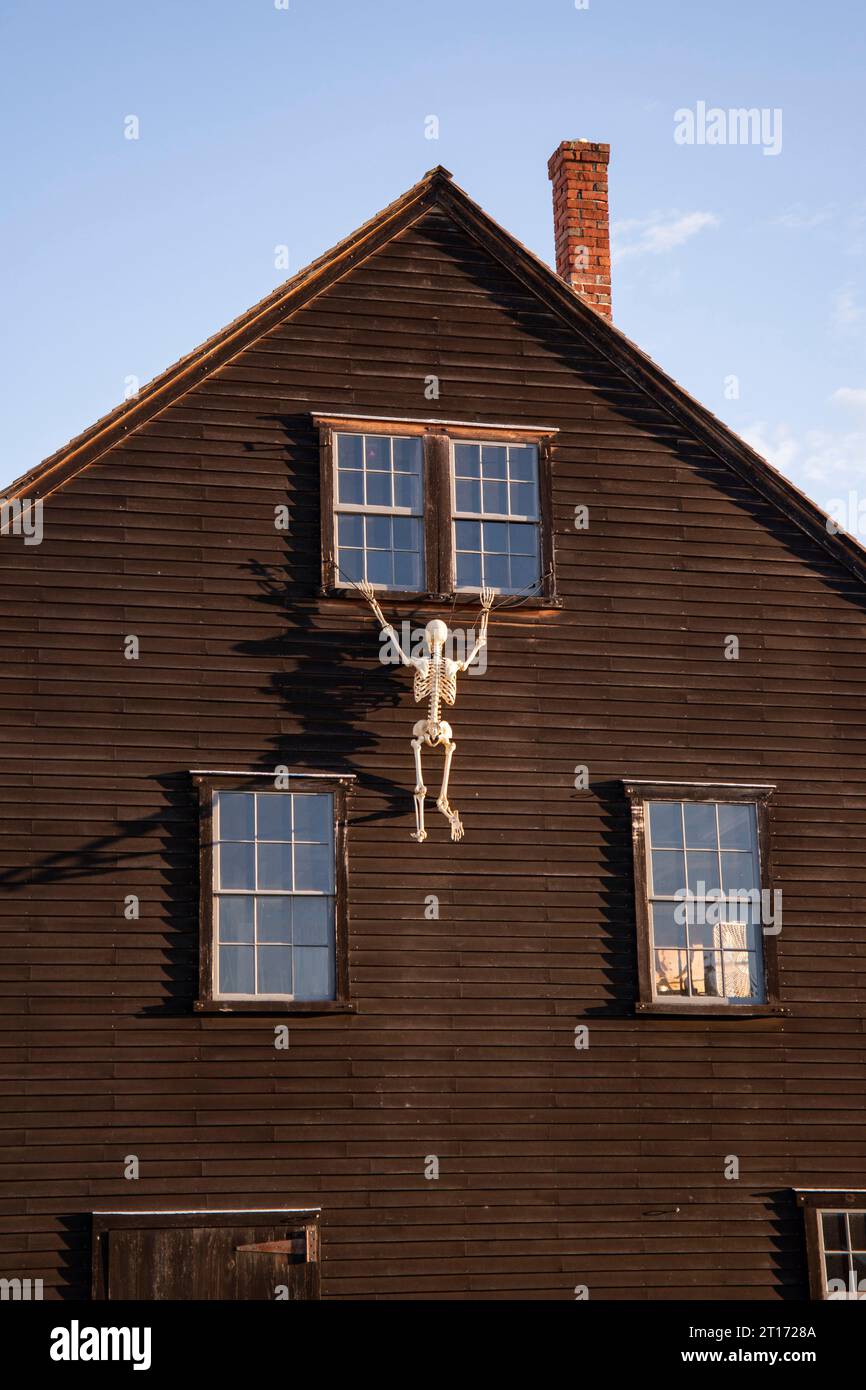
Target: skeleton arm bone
{"x": 487, "y": 597}
{"x": 369, "y": 594}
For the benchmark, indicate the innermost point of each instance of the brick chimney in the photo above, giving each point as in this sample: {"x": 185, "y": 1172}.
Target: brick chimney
{"x": 581, "y": 225}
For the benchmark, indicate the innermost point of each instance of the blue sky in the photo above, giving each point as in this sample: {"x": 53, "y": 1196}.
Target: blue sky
{"x": 262, "y": 126}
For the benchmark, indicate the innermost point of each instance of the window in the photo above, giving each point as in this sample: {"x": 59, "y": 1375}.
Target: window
{"x": 431, "y": 509}
{"x": 496, "y": 516}
{"x": 835, "y": 1243}
{"x": 379, "y": 510}
{"x": 273, "y": 891}
{"x": 706, "y": 916}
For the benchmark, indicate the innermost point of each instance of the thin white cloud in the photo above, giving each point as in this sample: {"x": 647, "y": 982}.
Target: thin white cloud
{"x": 800, "y": 218}
{"x": 658, "y": 234}
{"x": 817, "y": 457}
{"x": 854, "y": 397}
{"x": 846, "y": 311}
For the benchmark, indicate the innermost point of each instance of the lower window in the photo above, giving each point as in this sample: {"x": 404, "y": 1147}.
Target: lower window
{"x": 273, "y": 891}
{"x": 705, "y": 912}
{"x": 836, "y": 1243}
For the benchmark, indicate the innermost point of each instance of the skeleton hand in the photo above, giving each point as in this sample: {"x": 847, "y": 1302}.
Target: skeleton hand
{"x": 487, "y": 598}
{"x": 369, "y": 594}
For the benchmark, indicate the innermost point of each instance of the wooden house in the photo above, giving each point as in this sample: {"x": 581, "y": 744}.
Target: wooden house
{"x": 259, "y": 1041}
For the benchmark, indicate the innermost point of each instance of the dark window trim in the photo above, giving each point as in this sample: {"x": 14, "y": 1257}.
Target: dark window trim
{"x": 639, "y": 793}
{"x": 812, "y": 1202}
{"x": 340, "y": 786}
{"x": 303, "y": 1221}
{"x": 437, "y": 437}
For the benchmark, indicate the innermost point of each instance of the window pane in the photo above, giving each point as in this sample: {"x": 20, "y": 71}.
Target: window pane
{"x": 703, "y": 869}
{"x": 350, "y": 531}
{"x": 235, "y": 815}
{"x": 275, "y": 816}
{"x": 837, "y": 1269}
{"x": 378, "y": 529}
{"x": 670, "y": 972}
{"x": 351, "y": 564}
{"x": 668, "y": 872}
{"x": 522, "y": 497}
{"x": 314, "y": 868}
{"x": 667, "y": 931}
{"x": 378, "y": 490}
{"x": 467, "y": 461}
{"x": 495, "y": 497}
{"x": 493, "y": 458}
{"x": 495, "y": 537}
{"x": 523, "y": 540}
{"x": 857, "y": 1227}
{"x": 666, "y": 824}
{"x": 739, "y": 871}
{"x": 237, "y": 969}
{"x": 407, "y": 570}
{"x": 468, "y": 571}
{"x": 496, "y": 571}
{"x": 407, "y": 454}
{"x": 706, "y": 973}
{"x": 275, "y": 919}
{"x": 236, "y": 866}
{"x": 275, "y": 866}
{"x": 314, "y": 972}
{"x": 468, "y": 535}
{"x": 700, "y": 818}
{"x": 468, "y": 496}
{"x": 522, "y": 462}
{"x": 833, "y": 1223}
{"x": 235, "y": 915}
{"x": 275, "y": 970}
{"x": 379, "y": 568}
{"x": 314, "y": 817}
{"x": 736, "y": 826}
{"x": 350, "y": 450}
{"x": 406, "y": 532}
{"x": 523, "y": 570}
{"x": 350, "y": 487}
{"x": 377, "y": 451}
{"x": 312, "y": 921}
{"x": 407, "y": 492}
{"x": 740, "y": 974}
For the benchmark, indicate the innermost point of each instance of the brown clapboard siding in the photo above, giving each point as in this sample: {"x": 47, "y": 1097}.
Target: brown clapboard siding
{"x": 558, "y": 1168}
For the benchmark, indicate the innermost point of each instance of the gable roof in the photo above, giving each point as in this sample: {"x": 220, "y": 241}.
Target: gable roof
{"x": 437, "y": 189}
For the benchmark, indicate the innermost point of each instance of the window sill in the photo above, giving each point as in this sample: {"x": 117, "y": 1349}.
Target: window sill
{"x": 273, "y": 1006}
{"x": 536, "y": 603}
{"x": 657, "y": 1007}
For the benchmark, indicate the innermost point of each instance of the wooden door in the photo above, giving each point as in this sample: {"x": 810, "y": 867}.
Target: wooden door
{"x": 189, "y": 1255}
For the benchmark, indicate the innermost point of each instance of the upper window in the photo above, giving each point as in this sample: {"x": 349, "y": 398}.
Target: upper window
{"x": 379, "y": 508}
{"x": 836, "y": 1243}
{"x": 496, "y": 516}
{"x": 704, "y": 908}
{"x": 273, "y": 891}
{"x": 432, "y": 510}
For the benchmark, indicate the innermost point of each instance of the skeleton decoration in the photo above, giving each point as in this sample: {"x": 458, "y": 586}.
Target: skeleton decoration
{"x": 436, "y": 682}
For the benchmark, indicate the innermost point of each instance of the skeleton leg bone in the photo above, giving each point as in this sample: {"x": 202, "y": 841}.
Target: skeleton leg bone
{"x": 419, "y": 834}
{"x": 442, "y": 803}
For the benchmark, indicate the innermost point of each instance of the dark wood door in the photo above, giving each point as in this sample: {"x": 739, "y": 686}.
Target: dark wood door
{"x": 194, "y": 1260}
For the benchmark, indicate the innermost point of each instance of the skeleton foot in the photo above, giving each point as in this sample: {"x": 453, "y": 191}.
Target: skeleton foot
{"x": 452, "y": 817}
{"x": 419, "y": 835}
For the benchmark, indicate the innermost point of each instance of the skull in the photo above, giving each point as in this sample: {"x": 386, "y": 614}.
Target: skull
{"x": 435, "y": 635}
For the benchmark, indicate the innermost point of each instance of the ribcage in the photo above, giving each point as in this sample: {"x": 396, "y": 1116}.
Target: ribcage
{"x": 448, "y": 687}
{"x": 423, "y": 684}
